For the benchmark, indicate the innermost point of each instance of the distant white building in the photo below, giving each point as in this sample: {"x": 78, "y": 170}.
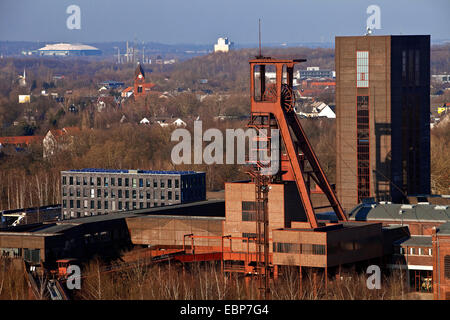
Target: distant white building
{"x": 165, "y": 122}
{"x": 319, "y": 109}
{"x": 24, "y": 98}
{"x": 22, "y": 79}
{"x": 144, "y": 121}
{"x": 179, "y": 123}
{"x": 223, "y": 45}
{"x": 326, "y": 112}
{"x": 443, "y": 78}
{"x": 67, "y": 49}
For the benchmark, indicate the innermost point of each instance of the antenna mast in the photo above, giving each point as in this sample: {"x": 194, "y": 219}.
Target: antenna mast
{"x": 259, "y": 34}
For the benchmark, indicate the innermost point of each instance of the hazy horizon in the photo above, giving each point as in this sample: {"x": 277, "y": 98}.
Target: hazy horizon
{"x": 201, "y": 22}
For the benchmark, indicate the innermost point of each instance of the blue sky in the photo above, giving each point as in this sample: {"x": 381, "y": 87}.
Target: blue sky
{"x": 202, "y": 21}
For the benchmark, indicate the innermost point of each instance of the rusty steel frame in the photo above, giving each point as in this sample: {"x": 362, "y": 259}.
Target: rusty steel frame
{"x": 288, "y": 122}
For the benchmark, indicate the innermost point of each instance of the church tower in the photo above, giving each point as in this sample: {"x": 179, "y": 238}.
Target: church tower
{"x": 139, "y": 81}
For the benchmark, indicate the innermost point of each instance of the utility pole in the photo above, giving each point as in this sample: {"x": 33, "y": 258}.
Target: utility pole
{"x": 118, "y": 54}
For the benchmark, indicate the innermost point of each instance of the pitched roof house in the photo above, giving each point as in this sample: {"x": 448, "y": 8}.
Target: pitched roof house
{"x": 58, "y": 139}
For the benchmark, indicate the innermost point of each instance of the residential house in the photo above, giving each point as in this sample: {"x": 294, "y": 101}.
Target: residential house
{"x": 144, "y": 121}
{"x": 105, "y": 101}
{"x": 317, "y": 109}
{"x": 18, "y": 142}
{"x": 58, "y": 139}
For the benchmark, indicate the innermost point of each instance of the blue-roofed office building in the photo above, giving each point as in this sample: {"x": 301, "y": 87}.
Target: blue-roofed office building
{"x": 88, "y": 192}
{"x": 111, "y": 84}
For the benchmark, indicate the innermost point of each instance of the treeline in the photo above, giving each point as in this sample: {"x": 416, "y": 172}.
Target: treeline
{"x": 206, "y": 282}
{"x": 440, "y": 161}
{"x": 229, "y": 72}
{"x": 440, "y": 59}
{"x": 27, "y": 180}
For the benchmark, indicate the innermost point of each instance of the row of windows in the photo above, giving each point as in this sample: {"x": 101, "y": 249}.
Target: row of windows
{"x": 411, "y": 67}
{"x": 107, "y": 205}
{"x": 121, "y": 205}
{"x": 303, "y": 248}
{"x": 126, "y": 182}
{"x": 417, "y": 251}
{"x": 447, "y": 266}
{"x": 31, "y": 255}
{"x": 134, "y": 194}
{"x": 250, "y": 235}
{"x": 362, "y": 69}
{"x": 362, "y": 145}
{"x": 249, "y": 210}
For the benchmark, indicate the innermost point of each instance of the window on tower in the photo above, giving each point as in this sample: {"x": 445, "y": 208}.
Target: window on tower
{"x": 264, "y": 83}
{"x": 139, "y": 89}
{"x": 362, "y": 69}
{"x": 363, "y": 143}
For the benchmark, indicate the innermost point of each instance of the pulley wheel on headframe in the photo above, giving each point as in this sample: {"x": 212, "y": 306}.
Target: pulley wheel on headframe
{"x": 287, "y": 98}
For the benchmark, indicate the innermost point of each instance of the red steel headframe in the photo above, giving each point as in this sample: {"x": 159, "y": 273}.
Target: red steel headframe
{"x": 298, "y": 148}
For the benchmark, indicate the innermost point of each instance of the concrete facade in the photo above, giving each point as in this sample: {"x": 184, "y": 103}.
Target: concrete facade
{"x": 283, "y": 208}
{"x": 98, "y": 191}
{"x": 328, "y": 246}
{"x": 171, "y": 231}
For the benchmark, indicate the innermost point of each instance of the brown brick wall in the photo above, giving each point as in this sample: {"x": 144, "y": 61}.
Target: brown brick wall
{"x": 379, "y": 114}
{"x": 416, "y": 228}
{"x": 235, "y": 193}
{"x": 20, "y": 241}
{"x": 170, "y": 231}
{"x": 441, "y": 284}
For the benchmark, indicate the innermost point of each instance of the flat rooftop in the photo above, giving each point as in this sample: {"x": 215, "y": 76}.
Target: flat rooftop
{"x": 400, "y": 212}
{"x": 206, "y": 208}
{"x": 200, "y": 210}
{"x": 331, "y": 227}
{"x": 97, "y": 170}
{"x": 415, "y": 241}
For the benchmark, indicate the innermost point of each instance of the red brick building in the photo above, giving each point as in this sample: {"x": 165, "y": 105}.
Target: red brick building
{"x": 441, "y": 262}
{"x": 141, "y": 87}
{"x": 417, "y": 252}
